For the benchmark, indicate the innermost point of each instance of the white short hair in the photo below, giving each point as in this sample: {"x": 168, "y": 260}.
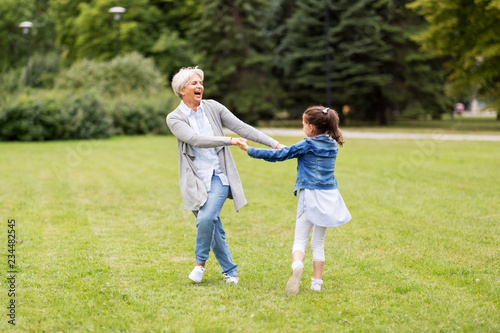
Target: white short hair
{"x": 183, "y": 77}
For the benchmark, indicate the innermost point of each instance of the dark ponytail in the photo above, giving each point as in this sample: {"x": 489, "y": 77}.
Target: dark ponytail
{"x": 325, "y": 120}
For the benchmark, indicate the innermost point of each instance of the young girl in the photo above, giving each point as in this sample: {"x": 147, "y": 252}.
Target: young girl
{"x": 319, "y": 202}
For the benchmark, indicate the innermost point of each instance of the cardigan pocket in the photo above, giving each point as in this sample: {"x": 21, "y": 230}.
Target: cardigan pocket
{"x": 188, "y": 150}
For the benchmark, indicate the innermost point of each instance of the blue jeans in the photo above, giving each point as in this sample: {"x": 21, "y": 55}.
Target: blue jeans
{"x": 210, "y": 233}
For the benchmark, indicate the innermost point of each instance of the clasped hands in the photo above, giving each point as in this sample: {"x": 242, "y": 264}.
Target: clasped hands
{"x": 243, "y": 143}
{"x": 240, "y": 142}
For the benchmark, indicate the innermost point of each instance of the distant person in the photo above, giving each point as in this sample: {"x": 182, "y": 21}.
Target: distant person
{"x": 320, "y": 204}
{"x": 345, "y": 110}
{"x": 207, "y": 172}
{"x": 459, "y": 109}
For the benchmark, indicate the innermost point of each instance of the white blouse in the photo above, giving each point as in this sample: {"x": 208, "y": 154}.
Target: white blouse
{"x": 324, "y": 208}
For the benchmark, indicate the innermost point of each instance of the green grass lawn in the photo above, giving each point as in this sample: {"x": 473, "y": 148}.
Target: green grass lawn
{"x": 104, "y": 242}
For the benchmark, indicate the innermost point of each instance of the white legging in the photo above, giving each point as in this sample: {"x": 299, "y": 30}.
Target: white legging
{"x": 302, "y": 231}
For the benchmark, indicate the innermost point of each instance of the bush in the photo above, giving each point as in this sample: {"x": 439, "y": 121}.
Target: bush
{"x": 88, "y": 118}
{"x": 130, "y": 73}
{"x": 43, "y": 69}
{"x": 54, "y": 116}
{"x": 12, "y": 81}
{"x": 414, "y": 110}
{"x": 94, "y": 100}
{"x": 57, "y": 115}
{"x": 133, "y": 115}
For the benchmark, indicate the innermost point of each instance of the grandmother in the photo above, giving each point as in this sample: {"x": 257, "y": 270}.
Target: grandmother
{"x": 207, "y": 173}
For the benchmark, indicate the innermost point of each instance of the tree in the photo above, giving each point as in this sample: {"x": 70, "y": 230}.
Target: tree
{"x": 86, "y": 30}
{"x": 466, "y": 32}
{"x": 375, "y": 67}
{"x": 418, "y": 82}
{"x": 356, "y": 45}
{"x": 236, "y": 57}
{"x": 178, "y": 15}
{"x": 12, "y": 42}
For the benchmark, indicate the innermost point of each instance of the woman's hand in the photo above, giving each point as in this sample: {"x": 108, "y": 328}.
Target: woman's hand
{"x": 239, "y": 141}
{"x": 280, "y": 146}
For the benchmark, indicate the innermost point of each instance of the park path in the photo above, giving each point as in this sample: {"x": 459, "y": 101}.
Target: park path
{"x": 388, "y": 135}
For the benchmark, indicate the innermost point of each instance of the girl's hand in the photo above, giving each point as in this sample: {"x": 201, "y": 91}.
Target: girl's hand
{"x": 243, "y": 146}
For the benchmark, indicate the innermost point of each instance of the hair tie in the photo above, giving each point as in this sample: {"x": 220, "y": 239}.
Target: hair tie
{"x": 325, "y": 110}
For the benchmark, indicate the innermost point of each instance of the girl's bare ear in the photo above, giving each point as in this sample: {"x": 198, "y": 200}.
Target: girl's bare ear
{"x": 312, "y": 128}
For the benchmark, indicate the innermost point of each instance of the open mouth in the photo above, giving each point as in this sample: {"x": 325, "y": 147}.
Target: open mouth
{"x": 198, "y": 93}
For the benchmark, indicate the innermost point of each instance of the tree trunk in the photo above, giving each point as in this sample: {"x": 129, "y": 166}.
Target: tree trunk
{"x": 338, "y": 108}
{"x": 382, "y": 119}
{"x": 380, "y": 106}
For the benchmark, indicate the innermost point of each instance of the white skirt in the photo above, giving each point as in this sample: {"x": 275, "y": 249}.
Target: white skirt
{"x": 324, "y": 208}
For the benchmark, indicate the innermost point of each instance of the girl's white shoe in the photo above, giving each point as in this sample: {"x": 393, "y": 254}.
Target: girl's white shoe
{"x": 316, "y": 284}
{"x": 293, "y": 285}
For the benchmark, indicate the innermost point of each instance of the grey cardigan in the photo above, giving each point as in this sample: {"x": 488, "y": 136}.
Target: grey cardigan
{"x": 193, "y": 189}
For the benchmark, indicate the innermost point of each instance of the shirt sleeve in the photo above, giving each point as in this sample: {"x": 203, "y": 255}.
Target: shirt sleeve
{"x": 183, "y": 131}
{"x": 278, "y": 155}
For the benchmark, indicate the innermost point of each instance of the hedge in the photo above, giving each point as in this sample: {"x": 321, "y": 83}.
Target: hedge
{"x": 59, "y": 115}
{"x": 129, "y": 73}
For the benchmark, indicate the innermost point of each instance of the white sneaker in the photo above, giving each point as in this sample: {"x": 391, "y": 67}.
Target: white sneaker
{"x": 316, "y": 284}
{"x": 197, "y": 274}
{"x": 231, "y": 279}
{"x": 293, "y": 285}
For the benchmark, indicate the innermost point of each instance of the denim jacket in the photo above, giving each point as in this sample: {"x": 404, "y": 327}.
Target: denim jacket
{"x": 315, "y": 161}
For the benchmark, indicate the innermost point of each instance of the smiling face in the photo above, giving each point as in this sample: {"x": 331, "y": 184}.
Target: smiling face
{"x": 308, "y": 129}
{"x": 193, "y": 92}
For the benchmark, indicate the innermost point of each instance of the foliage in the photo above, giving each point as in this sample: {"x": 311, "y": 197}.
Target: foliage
{"x": 129, "y": 73}
{"x": 42, "y": 115}
{"x": 237, "y": 57}
{"x": 13, "y": 12}
{"x": 43, "y": 69}
{"x": 132, "y": 100}
{"x": 52, "y": 116}
{"x": 262, "y": 57}
{"x": 12, "y": 40}
{"x": 12, "y": 81}
{"x": 418, "y": 79}
{"x": 87, "y": 31}
{"x": 178, "y": 15}
{"x": 375, "y": 68}
{"x": 172, "y": 49}
{"x": 171, "y": 53}
{"x": 133, "y": 115}
{"x": 357, "y": 58}
{"x": 104, "y": 244}
{"x": 465, "y": 32}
